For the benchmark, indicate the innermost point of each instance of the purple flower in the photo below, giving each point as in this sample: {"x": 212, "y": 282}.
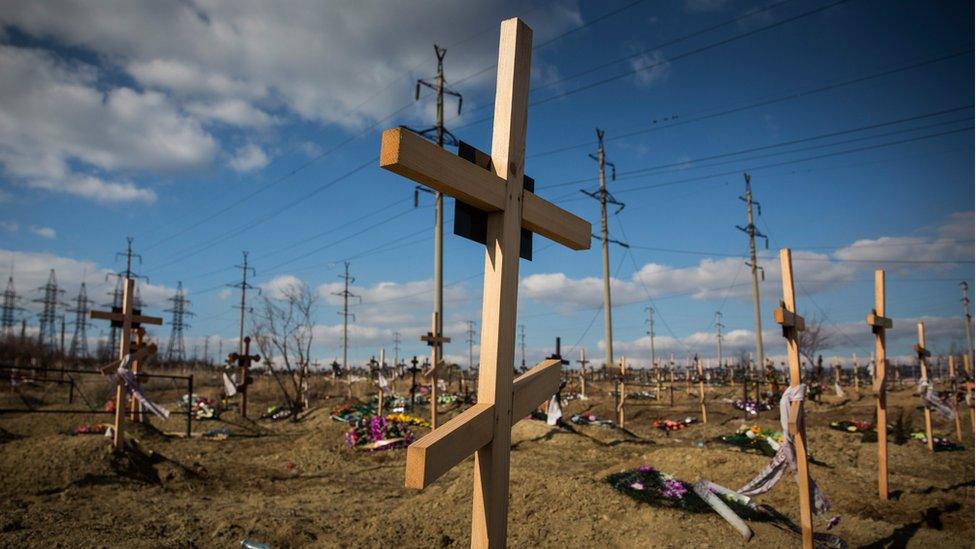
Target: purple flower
{"x": 645, "y": 469}
{"x": 674, "y": 489}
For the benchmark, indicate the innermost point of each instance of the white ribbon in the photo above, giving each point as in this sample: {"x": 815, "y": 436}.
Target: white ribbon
{"x": 132, "y": 386}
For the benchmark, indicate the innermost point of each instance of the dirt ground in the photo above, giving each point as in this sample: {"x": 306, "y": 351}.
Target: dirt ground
{"x": 293, "y": 484}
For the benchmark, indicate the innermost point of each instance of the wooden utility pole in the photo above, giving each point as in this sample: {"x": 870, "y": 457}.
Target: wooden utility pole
{"x": 604, "y": 197}
{"x": 953, "y": 394}
{"x": 879, "y": 323}
{"x": 701, "y": 387}
{"x": 923, "y": 353}
{"x": 485, "y": 428}
{"x": 969, "y": 325}
{"x": 650, "y": 338}
{"x": 750, "y": 229}
{"x": 718, "y": 335}
{"x": 792, "y": 325}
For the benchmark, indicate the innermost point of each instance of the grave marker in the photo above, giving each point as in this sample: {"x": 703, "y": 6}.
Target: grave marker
{"x": 243, "y": 373}
{"x": 922, "y": 353}
{"x": 793, "y": 324}
{"x": 126, "y": 319}
{"x": 879, "y": 324}
{"x": 485, "y": 428}
{"x": 436, "y": 342}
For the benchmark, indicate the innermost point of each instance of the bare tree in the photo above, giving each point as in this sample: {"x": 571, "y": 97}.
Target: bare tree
{"x": 284, "y": 330}
{"x": 813, "y": 339}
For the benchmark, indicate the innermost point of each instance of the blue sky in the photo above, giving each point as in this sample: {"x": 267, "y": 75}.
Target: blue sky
{"x": 204, "y": 129}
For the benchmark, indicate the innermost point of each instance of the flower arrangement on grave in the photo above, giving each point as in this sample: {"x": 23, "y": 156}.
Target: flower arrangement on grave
{"x": 755, "y": 438}
{"x": 590, "y": 419}
{"x": 941, "y": 444}
{"x": 852, "y": 426}
{"x": 408, "y": 420}
{"x": 276, "y": 412}
{"x": 378, "y": 433}
{"x": 201, "y": 407}
{"x": 349, "y": 411}
{"x": 90, "y": 429}
{"x": 657, "y": 488}
{"x": 668, "y": 425}
{"x": 750, "y": 405}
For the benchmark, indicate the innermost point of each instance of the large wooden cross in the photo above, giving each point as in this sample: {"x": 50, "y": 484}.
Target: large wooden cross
{"x": 127, "y": 320}
{"x": 879, "y": 324}
{"x": 485, "y": 429}
{"x": 793, "y": 324}
{"x": 922, "y": 353}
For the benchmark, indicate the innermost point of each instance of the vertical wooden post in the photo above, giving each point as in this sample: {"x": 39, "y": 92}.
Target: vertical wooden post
{"x": 379, "y": 404}
{"x": 435, "y": 360}
{"x": 128, "y": 297}
{"x": 880, "y": 363}
{"x": 136, "y": 366}
{"x": 857, "y": 375}
{"x": 799, "y": 436}
{"x": 489, "y": 517}
{"x": 924, "y": 372}
{"x": 953, "y": 396}
{"x": 621, "y": 392}
{"x": 701, "y": 391}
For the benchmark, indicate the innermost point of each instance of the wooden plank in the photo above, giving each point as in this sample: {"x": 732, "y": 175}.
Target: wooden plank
{"x": 876, "y": 320}
{"x": 410, "y": 155}
{"x": 879, "y": 386}
{"x": 535, "y": 387}
{"x": 489, "y": 516}
{"x": 799, "y": 439}
{"x": 438, "y": 451}
{"x": 924, "y": 371}
{"x": 789, "y": 319}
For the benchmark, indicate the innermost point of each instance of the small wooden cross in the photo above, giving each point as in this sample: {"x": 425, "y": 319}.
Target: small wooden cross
{"x": 485, "y": 428}
{"x": 621, "y": 392}
{"x": 136, "y": 366}
{"x": 244, "y": 365}
{"x": 127, "y": 319}
{"x": 414, "y": 370}
{"x": 701, "y": 390}
{"x": 922, "y": 353}
{"x": 435, "y": 341}
{"x": 879, "y": 324}
{"x": 792, "y": 324}
{"x": 582, "y": 372}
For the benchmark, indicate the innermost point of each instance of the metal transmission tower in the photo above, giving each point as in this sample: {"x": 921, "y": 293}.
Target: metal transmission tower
{"x": 470, "y": 333}
{"x": 345, "y": 294}
{"x": 969, "y": 322}
{"x": 79, "y": 340}
{"x": 116, "y": 305}
{"x": 718, "y": 335}
{"x": 650, "y": 333}
{"x": 9, "y": 309}
{"x": 522, "y": 344}
{"x": 750, "y": 229}
{"x": 244, "y": 286}
{"x": 605, "y": 197}
{"x": 48, "y": 316}
{"x": 175, "y": 350}
{"x": 437, "y": 134}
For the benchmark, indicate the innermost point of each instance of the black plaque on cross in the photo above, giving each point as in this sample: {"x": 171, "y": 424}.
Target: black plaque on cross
{"x": 472, "y": 223}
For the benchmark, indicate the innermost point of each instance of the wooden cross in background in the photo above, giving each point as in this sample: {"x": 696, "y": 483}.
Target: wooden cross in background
{"x": 127, "y": 320}
{"x": 244, "y": 366}
{"x": 922, "y": 353}
{"x": 436, "y": 342}
{"x": 793, "y": 324}
{"x": 582, "y": 373}
{"x": 485, "y": 428}
{"x": 879, "y": 324}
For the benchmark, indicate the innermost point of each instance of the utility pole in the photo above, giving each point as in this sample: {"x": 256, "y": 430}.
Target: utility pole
{"x": 346, "y": 294}
{"x": 47, "y": 336}
{"x": 117, "y": 294}
{"x": 396, "y": 352}
{"x": 650, "y": 333}
{"x": 522, "y": 339}
{"x": 718, "y": 336}
{"x": 750, "y": 229}
{"x": 437, "y": 134}
{"x": 8, "y": 309}
{"x": 79, "y": 340}
{"x": 176, "y": 350}
{"x": 470, "y": 345}
{"x": 969, "y": 322}
{"x": 244, "y": 286}
{"x": 604, "y": 197}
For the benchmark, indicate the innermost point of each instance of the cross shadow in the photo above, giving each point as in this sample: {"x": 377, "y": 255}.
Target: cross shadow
{"x": 931, "y": 518}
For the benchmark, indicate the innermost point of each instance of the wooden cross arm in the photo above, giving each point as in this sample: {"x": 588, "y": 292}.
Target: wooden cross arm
{"x": 874, "y": 320}
{"x": 105, "y": 315}
{"x": 138, "y": 355}
{"x": 922, "y": 352}
{"x": 441, "y": 449}
{"x": 789, "y": 319}
{"x": 406, "y": 153}
{"x": 534, "y": 387}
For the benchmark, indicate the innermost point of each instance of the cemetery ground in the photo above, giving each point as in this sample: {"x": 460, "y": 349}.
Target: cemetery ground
{"x": 291, "y": 484}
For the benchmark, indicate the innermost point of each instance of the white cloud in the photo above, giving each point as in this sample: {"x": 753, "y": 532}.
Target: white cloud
{"x": 248, "y": 158}
{"x": 277, "y": 286}
{"x": 57, "y": 118}
{"x": 44, "y": 232}
{"x": 652, "y": 68}
{"x": 235, "y": 112}
{"x": 10, "y": 226}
